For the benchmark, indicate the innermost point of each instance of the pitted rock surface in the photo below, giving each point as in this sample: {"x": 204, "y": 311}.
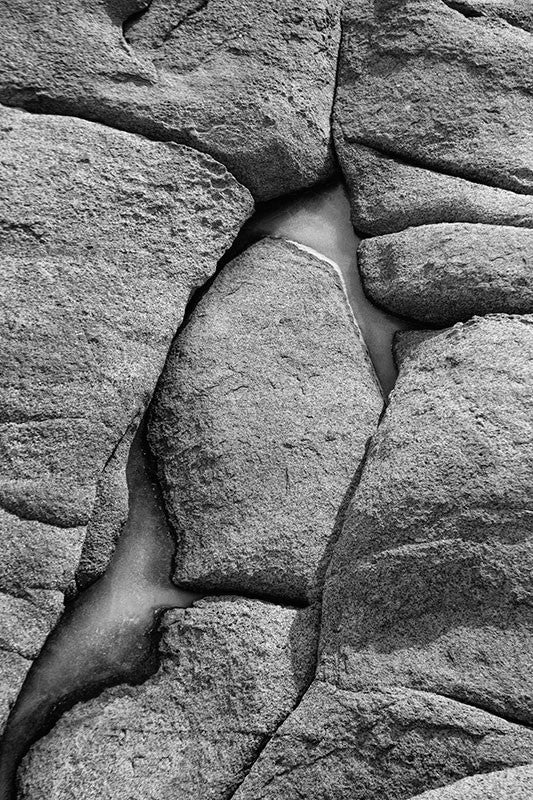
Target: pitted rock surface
{"x": 392, "y": 743}
{"x": 420, "y": 81}
{"x": 430, "y": 584}
{"x": 388, "y": 195}
{"x": 231, "y": 671}
{"x": 260, "y": 421}
{"x": 441, "y": 274}
{"x": 250, "y": 83}
{"x": 104, "y": 235}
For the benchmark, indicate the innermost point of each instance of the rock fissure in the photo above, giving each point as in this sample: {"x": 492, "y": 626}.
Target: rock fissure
{"x": 429, "y": 165}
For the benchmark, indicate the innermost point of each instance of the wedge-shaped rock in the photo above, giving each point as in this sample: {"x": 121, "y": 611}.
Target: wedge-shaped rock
{"x": 103, "y": 237}
{"x": 441, "y": 274}
{"x": 341, "y": 745}
{"x": 515, "y": 12}
{"x": 514, "y": 783}
{"x": 430, "y": 586}
{"x": 231, "y": 671}
{"x": 388, "y": 195}
{"x": 250, "y": 83}
{"x": 260, "y": 421}
{"x": 421, "y": 81}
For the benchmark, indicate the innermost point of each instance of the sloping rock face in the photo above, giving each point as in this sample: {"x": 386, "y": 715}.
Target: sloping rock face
{"x": 231, "y": 670}
{"x": 423, "y": 82}
{"x": 441, "y": 274}
{"x": 374, "y": 745}
{"x": 430, "y": 585}
{"x": 260, "y": 421}
{"x": 427, "y": 605}
{"x": 104, "y": 235}
{"x": 388, "y": 195}
{"x": 515, "y": 12}
{"x": 508, "y": 783}
{"x": 250, "y": 83}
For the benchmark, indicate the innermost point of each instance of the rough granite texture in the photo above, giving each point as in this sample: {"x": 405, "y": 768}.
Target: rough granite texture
{"x": 388, "y": 195}
{"x": 394, "y": 743}
{"x": 250, "y": 83}
{"x": 36, "y": 568}
{"x": 441, "y": 274}
{"x": 231, "y": 670}
{"x": 514, "y": 12}
{"x": 260, "y": 421}
{"x": 420, "y": 81}
{"x": 103, "y": 237}
{"x": 109, "y": 514}
{"x": 507, "y": 784}
{"x": 430, "y": 585}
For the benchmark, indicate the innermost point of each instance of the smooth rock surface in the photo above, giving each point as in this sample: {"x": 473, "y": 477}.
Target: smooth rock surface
{"x": 250, "y": 83}
{"x": 231, "y": 671}
{"x": 340, "y": 745}
{"x": 388, "y": 195}
{"x": 103, "y": 237}
{"x": 507, "y": 784}
{"x": 260, "y": 421}
{"x": 430, "y": 585}
{"x": 420, "y": 81}
{"x": 442, "y": 274}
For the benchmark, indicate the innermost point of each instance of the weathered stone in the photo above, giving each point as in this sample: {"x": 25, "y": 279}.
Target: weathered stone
{"x": 507, "y": 784}
{"x": 514, "y": 12}
{"x": 36, "y": 569}
{"x": 250, "y": 83}
{"x": 441, "y": 274}
{"x": 388, "y": 195}
{"x": 110, "y": 513}
{"x": 103, "y": 237}
{"x": 419, "y": 81}
{"x": 430, "y": 585}
{"x": 231, "y": 671}
{"x": 260, "y": 421}
{"x": 341, "y": 745}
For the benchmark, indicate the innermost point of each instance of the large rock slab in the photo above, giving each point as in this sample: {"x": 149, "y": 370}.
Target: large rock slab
{"x": 441, "y": 274}
{"x": 514, "y": 783}
{"x": 454, "y": 92}
{"x": 430, "y": 585}
{"x": 260, "y": 421}
{"x": 104, "y": 236}
{"x": 341, "y": 745}
{"x": 250, "y": 83}
{"x": 231, "y": 671}
{"x": 388, "y": 195}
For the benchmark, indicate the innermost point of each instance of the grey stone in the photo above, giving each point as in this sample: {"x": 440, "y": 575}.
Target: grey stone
{"x": 514, "y": 12}
{"x": 260, "y": 421}
{"x": 419, "y": 81}
{"x": 250, "y": 83}
{"x": 507, "y": 784}
{"x": 388, "y": 195}
{"x": 430, "y": 585}
{"x": 103, "y": 237}
{"x": 342, "y": 745}
{"x": 441, "y": 274}
{"x": 109, "y": 514}
{"x": 36, "y": 569}
{"x": 231, "y": 671}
